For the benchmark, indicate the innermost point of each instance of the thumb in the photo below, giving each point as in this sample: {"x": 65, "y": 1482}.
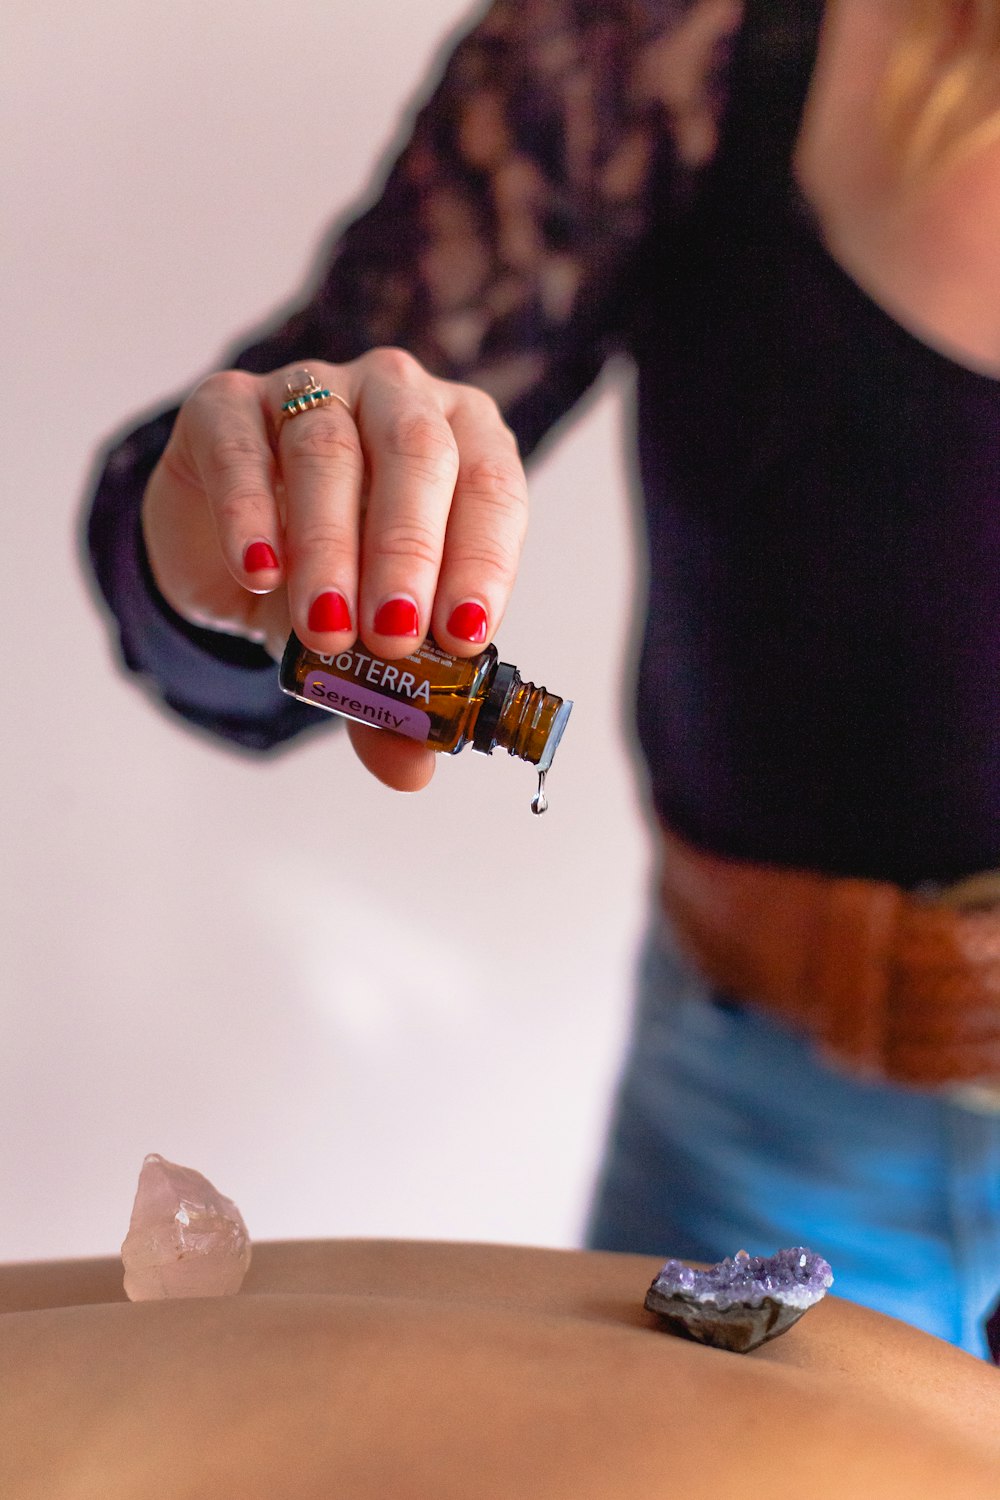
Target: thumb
{"x": 391, "y": 759}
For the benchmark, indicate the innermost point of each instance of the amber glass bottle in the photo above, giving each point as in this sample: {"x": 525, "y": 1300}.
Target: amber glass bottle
{"x": 446, "y": 702}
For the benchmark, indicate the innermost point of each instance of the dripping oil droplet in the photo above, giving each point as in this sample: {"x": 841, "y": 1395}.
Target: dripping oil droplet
{"x": 539, "y": 801}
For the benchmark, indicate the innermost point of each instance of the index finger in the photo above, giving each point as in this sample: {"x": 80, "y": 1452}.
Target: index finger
{"x": 222, "y": 435}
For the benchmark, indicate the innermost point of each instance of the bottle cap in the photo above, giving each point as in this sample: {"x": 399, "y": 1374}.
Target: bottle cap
{"x": 484, "y": 736}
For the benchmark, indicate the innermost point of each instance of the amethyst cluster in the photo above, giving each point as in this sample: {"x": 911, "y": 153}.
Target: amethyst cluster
{"x": 741, "y": 1302}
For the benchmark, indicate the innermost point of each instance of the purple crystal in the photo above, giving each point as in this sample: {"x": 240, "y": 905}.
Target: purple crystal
{"x": 741, "y": 1302}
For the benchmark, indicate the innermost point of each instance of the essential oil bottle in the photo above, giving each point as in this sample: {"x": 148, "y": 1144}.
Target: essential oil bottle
{"x": 445, "y": 702}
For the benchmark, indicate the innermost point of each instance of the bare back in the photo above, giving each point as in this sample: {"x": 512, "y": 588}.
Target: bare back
{"x": 363, "y": 1370}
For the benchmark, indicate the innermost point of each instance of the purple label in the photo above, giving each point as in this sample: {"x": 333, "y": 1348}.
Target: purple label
{"x": 360, "y": 703}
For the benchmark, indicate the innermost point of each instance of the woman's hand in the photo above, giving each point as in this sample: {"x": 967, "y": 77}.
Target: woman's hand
{"x": 399, "y": 515}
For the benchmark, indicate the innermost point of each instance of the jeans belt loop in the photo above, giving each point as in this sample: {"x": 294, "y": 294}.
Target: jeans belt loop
{"x": 854, "y": 971}
{"x": 978, "y": 893}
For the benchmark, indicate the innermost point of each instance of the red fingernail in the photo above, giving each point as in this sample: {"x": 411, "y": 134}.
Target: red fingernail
{"x": 397, "y": 616}
{"x": 258, "y": 556}
{"x": 468, "y": 622}
{"x": 329, "y": 611}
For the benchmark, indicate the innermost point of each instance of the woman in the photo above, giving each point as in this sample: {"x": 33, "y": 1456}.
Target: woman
{"x": 417, "y": 1370}
{"x": 787, "y": 213}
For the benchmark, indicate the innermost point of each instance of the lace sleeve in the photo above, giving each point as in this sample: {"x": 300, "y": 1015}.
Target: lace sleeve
{"x": 498, "y": 250}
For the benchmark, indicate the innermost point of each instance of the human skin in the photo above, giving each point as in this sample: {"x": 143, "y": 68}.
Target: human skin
{"x": 415, "y": 494}
{"x": 431, "y": 1372}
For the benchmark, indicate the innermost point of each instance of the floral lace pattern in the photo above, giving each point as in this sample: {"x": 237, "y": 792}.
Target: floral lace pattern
{"x": 507, "y": 224}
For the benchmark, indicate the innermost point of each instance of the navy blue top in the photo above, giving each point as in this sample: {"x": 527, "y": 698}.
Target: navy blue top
{"x": 817, "y": 684}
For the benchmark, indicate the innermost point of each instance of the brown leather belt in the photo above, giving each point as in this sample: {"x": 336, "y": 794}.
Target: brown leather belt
{"x": 895, "y": 984}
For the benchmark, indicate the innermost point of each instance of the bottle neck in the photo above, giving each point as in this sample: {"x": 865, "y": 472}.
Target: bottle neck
{"x": 525, "y": 720}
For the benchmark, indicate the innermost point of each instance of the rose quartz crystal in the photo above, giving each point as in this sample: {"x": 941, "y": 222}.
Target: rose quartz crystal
{"x": 184, "y": 1238}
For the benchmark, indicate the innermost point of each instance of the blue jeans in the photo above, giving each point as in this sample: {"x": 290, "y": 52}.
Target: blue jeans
{"x": 729, "y": 1133}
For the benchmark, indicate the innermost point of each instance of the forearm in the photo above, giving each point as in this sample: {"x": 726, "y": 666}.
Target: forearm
{"x": 497, "y": 251}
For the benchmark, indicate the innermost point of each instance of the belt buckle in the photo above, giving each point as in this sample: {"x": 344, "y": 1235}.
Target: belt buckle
{"x": 979, "y": 892}
{"x": 980, "y": 1098}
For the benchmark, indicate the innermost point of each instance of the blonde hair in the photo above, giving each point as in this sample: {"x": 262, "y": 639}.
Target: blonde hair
{"x": 942, "y": 88}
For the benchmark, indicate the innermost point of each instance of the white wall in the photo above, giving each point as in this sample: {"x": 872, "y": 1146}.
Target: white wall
{"x": 359, "y": 1013}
